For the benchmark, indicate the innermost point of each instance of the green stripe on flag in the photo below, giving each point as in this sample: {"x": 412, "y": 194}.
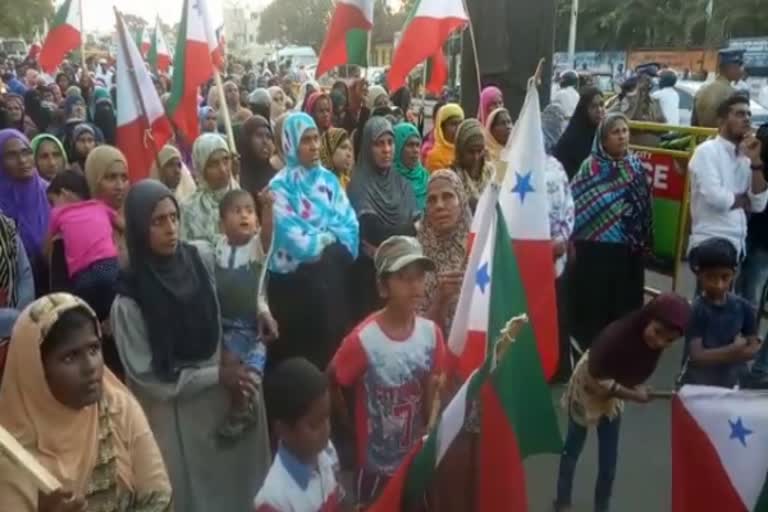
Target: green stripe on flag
{"x": 762, "y": 500}
{"x": 179, "y": 58}
{"x": 62, "y": 14}
{"x": 357, "y": 47}
{"x": 519, "y": 379}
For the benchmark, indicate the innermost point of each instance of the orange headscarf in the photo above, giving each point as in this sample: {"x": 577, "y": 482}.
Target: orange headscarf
{"x": 443, "y": 153}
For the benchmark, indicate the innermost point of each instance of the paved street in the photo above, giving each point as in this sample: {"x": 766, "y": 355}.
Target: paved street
{"x": 643, "y": 479}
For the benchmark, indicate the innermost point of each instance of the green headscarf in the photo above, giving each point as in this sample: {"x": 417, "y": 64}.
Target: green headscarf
{"x": 418, "y": 176}
{"x": 35, "y": 145}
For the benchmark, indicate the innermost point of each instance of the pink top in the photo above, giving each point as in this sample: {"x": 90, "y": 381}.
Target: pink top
{"x": 86, "y": 229}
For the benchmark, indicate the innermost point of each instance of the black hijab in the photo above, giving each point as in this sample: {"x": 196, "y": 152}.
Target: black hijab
{"x": 255, "y": 172}
{"x": 174, "y": 293}
{"x": 104, "y": 118}
{"x": 576, "y": 143}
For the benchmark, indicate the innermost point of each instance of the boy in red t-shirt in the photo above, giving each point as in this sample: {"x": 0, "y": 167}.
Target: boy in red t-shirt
{"x": 393, "y": 359}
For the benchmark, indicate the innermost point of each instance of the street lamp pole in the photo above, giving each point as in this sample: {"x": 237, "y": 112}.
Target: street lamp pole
{"x": 572, "y": 33}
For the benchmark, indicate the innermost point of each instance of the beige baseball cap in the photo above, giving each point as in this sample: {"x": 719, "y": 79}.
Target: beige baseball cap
{"x": 397, "y": 252}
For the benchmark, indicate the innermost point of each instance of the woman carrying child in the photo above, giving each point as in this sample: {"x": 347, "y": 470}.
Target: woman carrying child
{"x": 621, "y": 359}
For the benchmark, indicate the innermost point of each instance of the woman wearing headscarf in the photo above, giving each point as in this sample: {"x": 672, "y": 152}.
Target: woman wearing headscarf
{"x": 306, "y": 90}
{"x": 401, "y": 99}
{"x": 17, "y": 284}
{"x": 23, "y": 198}
{"x": 173, "y": 173}
{"x": 260, "y": 103}
{"x": 471, "y": 163}
{"x": 106, "y": 171}
{"x": 237, "y": 113}
{"x": 83, "y": 140}
{"x": 339, "y": 95}
{"x": 498, "y": 128}
{"x": 319, "y": 106}
{"x": 209, "y": 120}
{"x": 577, "y": 140}
{"x": 200, "y": 213}
{"x": 316, "y": 239}
{"x": 378, "y": 97}
{"x": 337, "y": 154}
{"x": 16, "y": 115}
{"x": 429, "y": 138}
{"x": 84, "y": 427}
{"x": 276, "y": 161}
{"x": 50, "y": 156}
{"x": 34, "y": 110}
{"x": 408, "y": 161}
{"x": 622, "y": 358}
{"x": 443, "y": 235}
{"x": 255, "y": 145}
{"x": 612, "y": 233}
{"x": 167, "y": 327}
{"x": 443, "y": 153}
{"x": 385, "y": 205}
{"x": 357, "y": 112}
{"x": 104, "y": 117}
{"x": 277, "y": 108}
{"x": 491, "y": 98}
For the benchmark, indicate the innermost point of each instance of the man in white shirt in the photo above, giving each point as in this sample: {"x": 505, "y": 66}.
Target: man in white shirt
{"x": 727, "y": 179}
{"x": 668, "y": 98}
{"x": 567, "y": 98}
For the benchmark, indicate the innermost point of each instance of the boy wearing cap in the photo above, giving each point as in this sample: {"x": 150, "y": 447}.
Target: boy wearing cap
{"x": 392, "y": 359}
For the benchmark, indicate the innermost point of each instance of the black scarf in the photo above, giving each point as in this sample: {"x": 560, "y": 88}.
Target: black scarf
{"x": 255, "y": 173}
{"x": 174, "y": 293}
{"x": 575, "y": 145}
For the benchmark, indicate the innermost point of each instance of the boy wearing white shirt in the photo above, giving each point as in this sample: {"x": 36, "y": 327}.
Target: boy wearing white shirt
{"x": 727, "y": 180}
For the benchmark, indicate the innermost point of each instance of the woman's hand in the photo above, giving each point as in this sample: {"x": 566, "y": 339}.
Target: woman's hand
{"x": 449, "y": 287}
{"x": 242, "y": 383}
{"x": 60, "y": 501}
{"x": 268, "y": 328}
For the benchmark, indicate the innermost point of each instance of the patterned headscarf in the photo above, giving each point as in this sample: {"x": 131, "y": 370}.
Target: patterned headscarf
{"x": 187, "y": 185}
{"x": 418, "y": 175}
{"x": 8, "y": 261}
{"x": 612, "y": 197}
{"x": 329, "y": 143}
{"x": 200, "y": 213}
{"x": 443, "y": 152}
{"x": 447, "y": 250}
{"x": 491, "y": 144}
{"x": 311, "y": 210}
{"x": 470, "y": 131}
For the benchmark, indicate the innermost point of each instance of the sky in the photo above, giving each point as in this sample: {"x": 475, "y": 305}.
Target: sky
{"x": 98, "y": 14}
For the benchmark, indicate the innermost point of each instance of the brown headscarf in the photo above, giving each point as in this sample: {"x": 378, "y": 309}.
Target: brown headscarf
{"x": 329, "y": 143}
{"x": 97, "y": 163}
{"x": 471, "y": 131}
{"x": 69, "y": 443}
{"x": 448, "y": 250}
{"x": 620, "y": 351}
{"x": 277, "y": 161}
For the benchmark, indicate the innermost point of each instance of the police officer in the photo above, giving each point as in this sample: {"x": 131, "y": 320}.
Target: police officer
{"x": 709, "y": 97}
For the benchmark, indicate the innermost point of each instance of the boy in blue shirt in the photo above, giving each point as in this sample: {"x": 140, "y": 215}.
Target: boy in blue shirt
{"x": 722, "y": 336}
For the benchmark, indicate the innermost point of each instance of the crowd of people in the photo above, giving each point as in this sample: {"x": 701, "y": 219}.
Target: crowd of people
{"x": 186, "y": 342}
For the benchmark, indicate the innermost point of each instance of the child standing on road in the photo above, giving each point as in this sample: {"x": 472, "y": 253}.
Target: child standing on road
{"x": 621, "y": 359}
{"x": 722, "y": 336}
{"x": 303, "y": 476}
{"x": 392, "y": 358}
{"x": 240, "y": 275}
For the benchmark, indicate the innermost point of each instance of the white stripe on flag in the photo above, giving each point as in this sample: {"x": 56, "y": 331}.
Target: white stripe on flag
{"x": 452, "y": 420}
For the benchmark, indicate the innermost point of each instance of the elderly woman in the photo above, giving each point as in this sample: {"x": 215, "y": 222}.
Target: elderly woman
{"x": 17, "y": 116}
{"x": 173, "y": 173}
{"x": 471, "y": 163}
{"x": 23, "y": 198}
{"x": 84, "y": 138}
{"x": 167, "y": 327}
{"x": 498, "y": 128}
{"x": 200, "y": 213}
{"x": 443, "y": 152}
{"x": 316, "y": 238}
{"x": 337, "y": 154}
{"x": 444, "y": 234}
{"x": 408, "y": 161}
{"x": 50, "y": 156}
{"x": 75, "y": 418}
{"x": 385, "y": 204}
{"x": 612, "y": 232}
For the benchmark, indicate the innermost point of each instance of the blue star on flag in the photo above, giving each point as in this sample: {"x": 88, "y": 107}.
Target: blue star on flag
{"x": 523, "y": 185}
{"x": 482, "y": 277}
{"x": 739, "y": 431}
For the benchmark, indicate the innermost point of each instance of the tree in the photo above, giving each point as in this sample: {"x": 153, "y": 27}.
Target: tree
{"x": 297, "y": 22}
{"x": 19, "y": 18}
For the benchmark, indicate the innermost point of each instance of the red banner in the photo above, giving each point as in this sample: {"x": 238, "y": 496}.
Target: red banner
{"x": 665, "y": 174}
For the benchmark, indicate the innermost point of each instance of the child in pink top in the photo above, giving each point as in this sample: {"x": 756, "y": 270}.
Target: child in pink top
{"x": 86, "y": 229}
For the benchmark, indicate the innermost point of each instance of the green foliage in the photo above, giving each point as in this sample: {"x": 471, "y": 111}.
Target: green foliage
{"x": 624, "y": 24}
{"x": 19, "y": 18}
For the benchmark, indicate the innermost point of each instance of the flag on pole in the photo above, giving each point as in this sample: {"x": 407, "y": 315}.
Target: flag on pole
{"x": 526, "y": 210}
{"x": 347, "y": 38}
{"x": 159, "y": 56}
{"x": 517, "y": 416}
{"x": 146, "y": 43}
{"x": 142, "y": 128}
{"x": 197, "y": 53}
{"x": 719, "y": 450}
{"x": 426, "y": 31}
{"x": 65, "y": 35}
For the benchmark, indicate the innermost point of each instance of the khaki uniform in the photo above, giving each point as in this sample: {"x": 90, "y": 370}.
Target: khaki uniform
{"x": 708, "y": 99}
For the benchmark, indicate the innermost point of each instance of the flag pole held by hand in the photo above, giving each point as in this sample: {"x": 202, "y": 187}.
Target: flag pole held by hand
{"x": 661, "y": 395}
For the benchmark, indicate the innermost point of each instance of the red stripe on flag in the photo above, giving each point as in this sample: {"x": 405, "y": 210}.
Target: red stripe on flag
{"x": 60, "y": 41}
{"x": 474, "y": 354}
{"x": 198, "y": 69}
{"x": 501, "y": 484}
{"x": 140, "y": 152}
{"x": 391, "y": 498}
{"x": 334, "y": 53}
{"x": 699, "y": 481}
{"x": 534, "y": 259}
{"x": 422, "y": 39}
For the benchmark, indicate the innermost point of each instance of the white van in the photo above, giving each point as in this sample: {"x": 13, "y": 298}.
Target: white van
{"x": 298, "y": 55}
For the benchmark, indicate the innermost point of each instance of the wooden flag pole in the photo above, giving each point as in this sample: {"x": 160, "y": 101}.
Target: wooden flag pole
{"x": 473, "y": 41}
{"x": 41, "y": 477}
{"x": 148, "y": 139}
{"x": 225, "y": 109}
